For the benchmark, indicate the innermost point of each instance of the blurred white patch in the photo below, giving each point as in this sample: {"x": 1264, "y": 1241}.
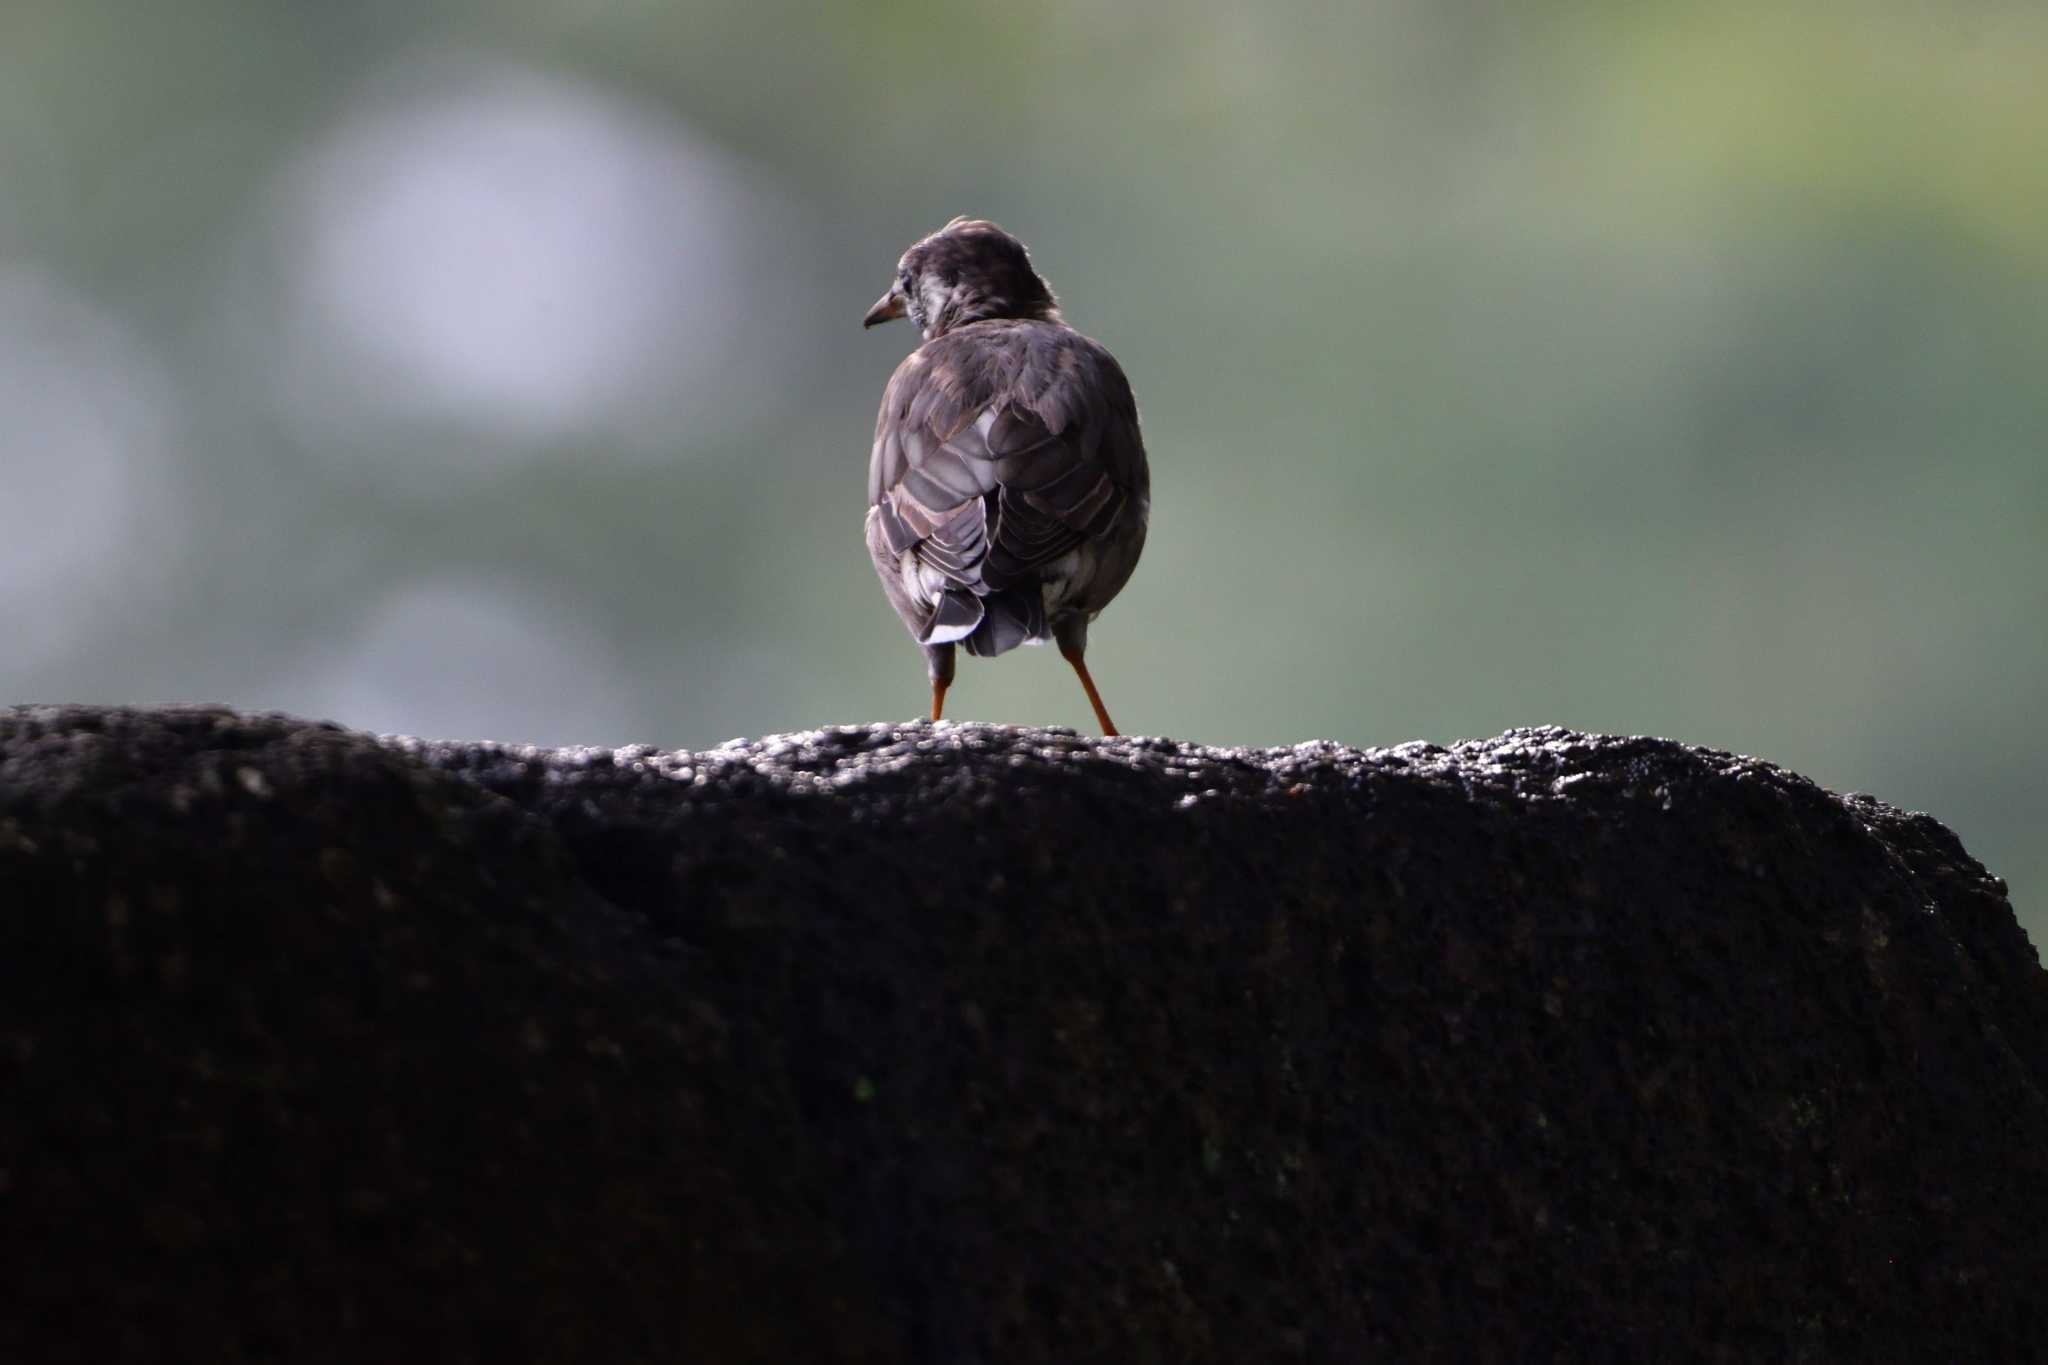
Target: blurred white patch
{"x": 516, "y": 254}
{"x": 85, "y": 422}
{"x": 461, "y": 659}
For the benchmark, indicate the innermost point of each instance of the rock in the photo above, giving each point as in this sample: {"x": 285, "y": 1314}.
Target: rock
{"x": 976, "y": 1044}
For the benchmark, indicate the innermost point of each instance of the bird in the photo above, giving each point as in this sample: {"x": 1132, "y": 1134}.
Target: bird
{"x": 1008, "y": 490}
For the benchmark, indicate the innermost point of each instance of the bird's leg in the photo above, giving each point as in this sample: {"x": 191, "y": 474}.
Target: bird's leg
{"x": 1072, "y": 633}
{"x": 1088, "y": 686}
{"x": 938, "y": 661}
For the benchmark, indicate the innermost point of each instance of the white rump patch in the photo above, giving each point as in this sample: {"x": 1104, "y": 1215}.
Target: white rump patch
{"x": 946, "y": 635}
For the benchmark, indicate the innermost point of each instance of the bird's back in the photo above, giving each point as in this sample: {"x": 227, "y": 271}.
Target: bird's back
{"x": 1008, "y": 484}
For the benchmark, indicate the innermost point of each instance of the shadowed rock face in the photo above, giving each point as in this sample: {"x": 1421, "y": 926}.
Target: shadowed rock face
{"x": 977, "y": 1044}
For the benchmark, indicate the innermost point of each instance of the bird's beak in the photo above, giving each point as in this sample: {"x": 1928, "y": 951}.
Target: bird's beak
{"x": 887, "y": 308}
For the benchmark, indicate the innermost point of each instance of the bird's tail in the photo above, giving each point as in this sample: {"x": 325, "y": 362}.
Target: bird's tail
{"x": 956, "y": 615}
{"x": 1008, "y": 619}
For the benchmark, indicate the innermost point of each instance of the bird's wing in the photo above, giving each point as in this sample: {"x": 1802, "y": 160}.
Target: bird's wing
{"x": 1001, "y": 447}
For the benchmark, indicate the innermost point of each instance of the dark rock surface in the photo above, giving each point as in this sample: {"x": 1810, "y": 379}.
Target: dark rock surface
{"x": 975, "y": 1044}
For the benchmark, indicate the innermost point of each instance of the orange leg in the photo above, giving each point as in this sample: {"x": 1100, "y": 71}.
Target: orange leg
{"x": 938, "y": 662}
{"x": 1073, "y": 656}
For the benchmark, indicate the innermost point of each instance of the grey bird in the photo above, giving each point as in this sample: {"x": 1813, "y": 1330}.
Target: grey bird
{"x": 1007, "y": 491}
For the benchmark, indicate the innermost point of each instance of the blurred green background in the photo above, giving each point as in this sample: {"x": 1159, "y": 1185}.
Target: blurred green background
{"x": 495, "y": 370}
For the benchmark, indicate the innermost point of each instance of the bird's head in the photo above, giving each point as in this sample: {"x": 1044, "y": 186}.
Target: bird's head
{"x": 967, "y": 271}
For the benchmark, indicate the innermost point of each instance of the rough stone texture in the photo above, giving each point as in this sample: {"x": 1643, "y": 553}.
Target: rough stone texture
{"x": 973, "y": 1044}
